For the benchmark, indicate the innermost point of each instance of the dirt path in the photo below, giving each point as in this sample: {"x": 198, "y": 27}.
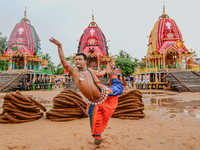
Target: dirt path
{"x": 171, "y": 122}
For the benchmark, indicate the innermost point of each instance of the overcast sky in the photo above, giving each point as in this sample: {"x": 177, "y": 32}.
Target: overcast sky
{"x": 126, "y": 23}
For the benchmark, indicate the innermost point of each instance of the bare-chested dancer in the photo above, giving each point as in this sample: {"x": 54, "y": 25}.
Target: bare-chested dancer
{"x": 102, "y": 101}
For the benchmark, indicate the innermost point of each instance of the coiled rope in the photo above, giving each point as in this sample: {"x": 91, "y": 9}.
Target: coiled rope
{"x": 130, "y": 106}
{"x": 68, "y": 105}
{"x": 18, "y": 108}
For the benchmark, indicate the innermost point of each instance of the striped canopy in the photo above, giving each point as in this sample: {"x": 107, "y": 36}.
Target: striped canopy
{"x": 93, "y": 40}
{"x": 165, "y": 34}
{"x": 24, "y": 36}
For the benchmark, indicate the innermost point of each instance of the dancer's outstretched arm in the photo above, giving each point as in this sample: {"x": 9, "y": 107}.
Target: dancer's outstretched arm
{"x": 61, "y": 55}
{"x": 103, "y": 72}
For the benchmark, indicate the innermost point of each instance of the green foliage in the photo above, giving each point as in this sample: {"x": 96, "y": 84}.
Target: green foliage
{"x": 46, "y": 68}
{"x": 60, "y": 69}
{"x": 50, "y": 63}
{"x": 136, "y": 60}
{"x": 123, "y": 54}
{"x": 3, "y": 65}
{"x": 2, "y": 43}
{"x": 127, "y": 63}
{"x": 142, "y": 65}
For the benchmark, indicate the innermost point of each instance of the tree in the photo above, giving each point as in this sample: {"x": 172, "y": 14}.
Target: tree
{"x": 136, "y": 60}
{"x": 48, "y": 58}
{"x": 60, "y": 69}
{"x": 123, "y": 54}
{"x": 126, "y": 66}
{"x": 142, "y": 64}
{"x": 3, "y": 63}
{"x": 2, "y": 43}
{"x": 127, "y": 63}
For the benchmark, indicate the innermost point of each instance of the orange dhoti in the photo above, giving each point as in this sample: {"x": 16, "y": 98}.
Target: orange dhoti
{"x": 100, "y": 114}
{"x": 102, "y": 109}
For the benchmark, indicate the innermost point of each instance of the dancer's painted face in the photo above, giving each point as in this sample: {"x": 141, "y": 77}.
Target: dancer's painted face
{"x": 80, "y": 62}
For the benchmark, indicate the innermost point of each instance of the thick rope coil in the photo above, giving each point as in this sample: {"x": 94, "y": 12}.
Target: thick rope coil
{"x": 68, "y": 105}
{"x": 18, "y": 108}
{"x": 130, "y": 106}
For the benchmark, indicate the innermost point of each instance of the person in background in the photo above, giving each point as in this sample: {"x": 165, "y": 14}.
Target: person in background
{"x": 125, "y": 84}
{"x": 129, "y": 83}
{"x": 60, "y": 84}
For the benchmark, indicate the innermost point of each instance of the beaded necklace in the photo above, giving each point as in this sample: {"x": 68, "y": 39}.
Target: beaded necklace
{"x": 82, "y": 79}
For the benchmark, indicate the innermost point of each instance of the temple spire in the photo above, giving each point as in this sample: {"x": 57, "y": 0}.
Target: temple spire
{"x": 164, "y": 15}
{"x": 25, "y": 13}
{"x": 93, "y": 22}
{"x": 164, "y": 8}
{"x": 92, "y": 17}
{"x": 25, "y": 19}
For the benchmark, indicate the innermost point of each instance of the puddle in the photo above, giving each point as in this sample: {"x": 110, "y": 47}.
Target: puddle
{"x": 173, "y": 105}
{"x": 153, "y": 93}
{"x": 49, "y": 106}
{"x": 153, "y": 102}
{"x": 156, "y": 94}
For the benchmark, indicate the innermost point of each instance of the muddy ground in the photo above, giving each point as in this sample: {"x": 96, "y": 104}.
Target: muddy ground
{"x": 172, "y": 122}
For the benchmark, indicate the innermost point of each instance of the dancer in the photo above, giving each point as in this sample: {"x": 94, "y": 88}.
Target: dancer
{"x": 102, "y": 101}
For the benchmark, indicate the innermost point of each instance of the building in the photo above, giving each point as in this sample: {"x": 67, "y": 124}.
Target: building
{"x": 93, "y": 43}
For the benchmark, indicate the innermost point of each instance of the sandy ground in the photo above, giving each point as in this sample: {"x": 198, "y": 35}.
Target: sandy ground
{"x": 172, "y": 122}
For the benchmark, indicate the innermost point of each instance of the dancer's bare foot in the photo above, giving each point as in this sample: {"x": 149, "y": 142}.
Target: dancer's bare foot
{"x": 96, "y": 146}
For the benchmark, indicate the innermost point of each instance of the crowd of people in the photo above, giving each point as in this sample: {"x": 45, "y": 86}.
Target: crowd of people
{"x": 126, "y": 82}
{"x": 59, "y": 84}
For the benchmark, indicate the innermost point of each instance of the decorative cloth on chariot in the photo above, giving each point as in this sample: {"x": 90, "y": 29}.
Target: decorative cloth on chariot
{"x": 102, "y": 109}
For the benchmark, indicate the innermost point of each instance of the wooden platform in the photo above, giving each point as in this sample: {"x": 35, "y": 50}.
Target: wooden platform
{"x": 10, "y": 80}
{"x": 184, "y": 81}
